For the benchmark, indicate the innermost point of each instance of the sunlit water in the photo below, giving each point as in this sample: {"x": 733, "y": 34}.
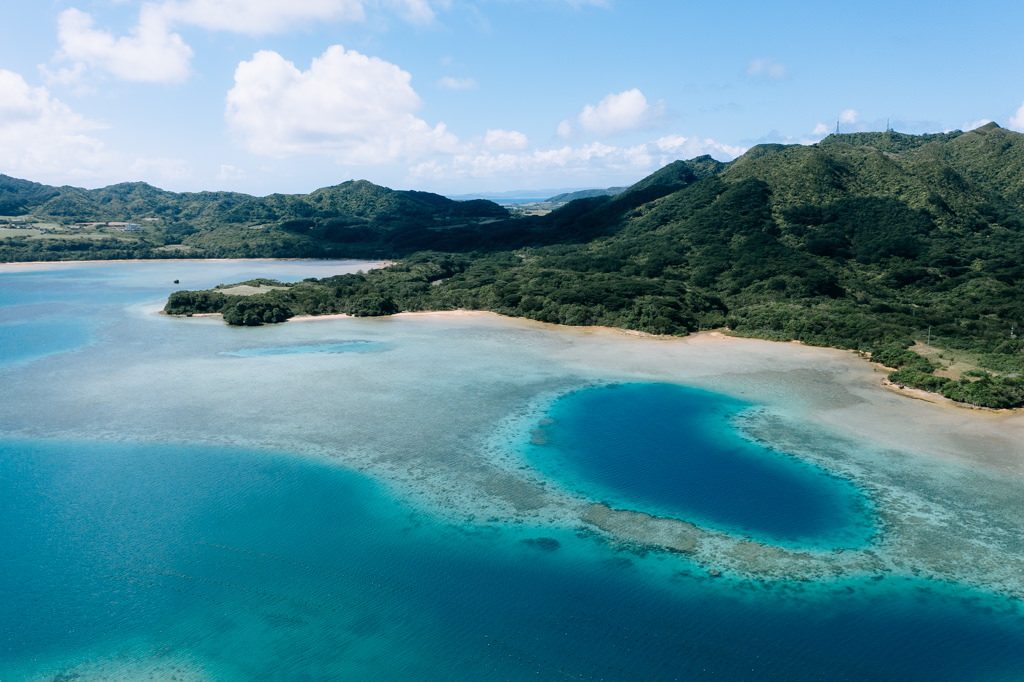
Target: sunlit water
{"x": 360, "y": 499}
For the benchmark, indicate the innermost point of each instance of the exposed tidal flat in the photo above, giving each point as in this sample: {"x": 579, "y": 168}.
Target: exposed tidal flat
{"x": 398, "y": 498}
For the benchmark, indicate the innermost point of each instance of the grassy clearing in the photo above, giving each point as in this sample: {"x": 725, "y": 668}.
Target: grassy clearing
{"x": 18, "y": 232}
{"x": 954, "y": 363}
{"x": 66, "y": 235}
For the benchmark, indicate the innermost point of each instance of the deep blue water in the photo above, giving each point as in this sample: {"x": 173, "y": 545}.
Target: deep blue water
{"x": 269, "y": 567}
{"x": 674, "y": 450}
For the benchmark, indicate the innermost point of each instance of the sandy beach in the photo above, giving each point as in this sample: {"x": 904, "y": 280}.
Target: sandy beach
{"x": 885, "y": 412}
{"x": 839, "y": 388}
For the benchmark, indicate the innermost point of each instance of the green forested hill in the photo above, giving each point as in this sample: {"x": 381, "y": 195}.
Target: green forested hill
{"x": 356, "y": 218}
{"x": 873, "y": 241}
{"x": 20, "y": 196}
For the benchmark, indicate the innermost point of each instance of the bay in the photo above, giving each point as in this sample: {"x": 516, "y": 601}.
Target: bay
{"x": 180, "y": 499}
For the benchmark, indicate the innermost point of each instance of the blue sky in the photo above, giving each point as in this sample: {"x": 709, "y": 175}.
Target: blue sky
{"x": 463, "y": 96}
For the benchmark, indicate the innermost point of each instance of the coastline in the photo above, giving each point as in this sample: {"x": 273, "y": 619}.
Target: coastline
{"x": 867, "y": 406}
{"x": 493, "y": 375}
{"x": 424, "y": 411}
{"x": 714, "y": 334}
{"x": 935, "y": 398}
{"x": 424, "y": 313}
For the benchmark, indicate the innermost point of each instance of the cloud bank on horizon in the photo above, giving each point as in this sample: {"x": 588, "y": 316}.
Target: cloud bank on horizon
{"x": 458, "y": 96}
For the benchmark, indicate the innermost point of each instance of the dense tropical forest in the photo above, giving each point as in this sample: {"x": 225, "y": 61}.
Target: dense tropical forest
{"x": 910, "y": 248}
{"x": 356, "y": 219}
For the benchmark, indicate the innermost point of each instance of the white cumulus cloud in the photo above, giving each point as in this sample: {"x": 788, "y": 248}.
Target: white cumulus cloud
{"x": 504, "y": 140}
{"x": 353, "y": 108}
{"x": 682, "y": 147}
{"x": 595, "y": 163}
{"x": 558, "y": 165}
{"x": 1017, "y": 120}
{"x": 152, "y": 53}
{"x": 41, "y": 137}
{"x": 848, "y": 116}
{"x": 617, "y": 113}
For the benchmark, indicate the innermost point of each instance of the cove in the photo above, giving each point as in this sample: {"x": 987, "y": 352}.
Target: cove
{"x": 671, "y": 450}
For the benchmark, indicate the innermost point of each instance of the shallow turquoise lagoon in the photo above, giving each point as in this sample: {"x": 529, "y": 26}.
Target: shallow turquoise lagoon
{"x": 27, "y": 340}
{"x": 304, "y": 512}
{"x": 352, "y": 346}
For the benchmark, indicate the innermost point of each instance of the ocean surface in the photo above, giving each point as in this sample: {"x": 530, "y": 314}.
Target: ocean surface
{"x": 470, "y": 498}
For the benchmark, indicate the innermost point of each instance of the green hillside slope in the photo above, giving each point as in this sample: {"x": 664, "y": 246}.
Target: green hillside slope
{"x": 354, "y": 219}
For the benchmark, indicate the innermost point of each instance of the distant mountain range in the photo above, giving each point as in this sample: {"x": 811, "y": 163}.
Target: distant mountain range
{"x": 551, "y": 198}
{"x": 353, "y": 218}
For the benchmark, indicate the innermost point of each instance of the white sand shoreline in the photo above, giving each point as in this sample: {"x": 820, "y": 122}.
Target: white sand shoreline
{"x": 713, "y": 334}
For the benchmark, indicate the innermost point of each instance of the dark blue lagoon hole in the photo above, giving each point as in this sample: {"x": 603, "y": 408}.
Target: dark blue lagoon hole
{"x": 673, "y": 450}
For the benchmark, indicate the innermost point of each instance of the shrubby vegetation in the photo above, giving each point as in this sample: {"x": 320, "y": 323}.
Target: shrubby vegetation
{"x": 977, "y": 388}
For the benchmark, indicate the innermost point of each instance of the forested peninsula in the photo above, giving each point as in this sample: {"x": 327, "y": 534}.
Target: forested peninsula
{"x": 909, "y": 248}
